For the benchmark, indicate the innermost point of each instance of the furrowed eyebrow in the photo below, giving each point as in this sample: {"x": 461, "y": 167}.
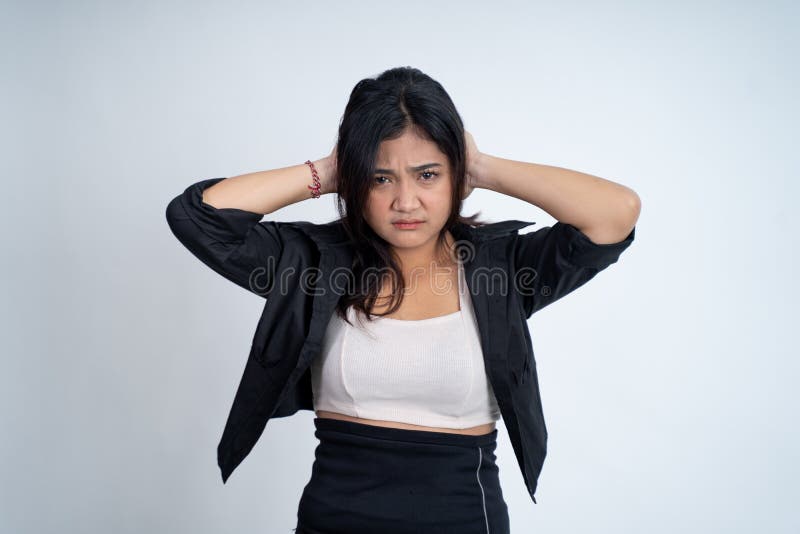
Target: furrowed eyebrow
{"x": 412, "y": 169}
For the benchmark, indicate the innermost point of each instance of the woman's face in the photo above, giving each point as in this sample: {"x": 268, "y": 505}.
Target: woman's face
{"x": 411, "y": 182}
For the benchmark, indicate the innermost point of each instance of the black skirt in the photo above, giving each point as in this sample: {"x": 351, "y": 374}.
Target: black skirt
{"x": 373, "y": 479}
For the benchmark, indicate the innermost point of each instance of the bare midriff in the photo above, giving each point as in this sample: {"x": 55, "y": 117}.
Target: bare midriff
{"x": 472, "y": 431}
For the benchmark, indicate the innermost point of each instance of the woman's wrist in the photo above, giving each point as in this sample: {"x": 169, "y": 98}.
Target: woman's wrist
{"x": 479, "y": 171}
{"x": 325, "y": 172}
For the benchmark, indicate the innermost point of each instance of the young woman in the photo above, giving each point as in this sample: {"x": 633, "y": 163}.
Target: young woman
{"x": 414, "y": 363}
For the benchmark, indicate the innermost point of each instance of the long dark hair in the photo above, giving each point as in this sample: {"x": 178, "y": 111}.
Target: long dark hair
{"x": 398, "y": 100}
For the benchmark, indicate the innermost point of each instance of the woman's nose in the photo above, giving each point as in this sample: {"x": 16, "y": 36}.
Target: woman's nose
{"x": 406, "y": 199}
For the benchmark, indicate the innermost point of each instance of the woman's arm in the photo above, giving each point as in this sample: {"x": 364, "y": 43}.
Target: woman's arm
{"x": 219, "y": 221}
{"x": 596, "y": 224}
{"x": 267, "y": 191}
{"x": 603, "y": 210}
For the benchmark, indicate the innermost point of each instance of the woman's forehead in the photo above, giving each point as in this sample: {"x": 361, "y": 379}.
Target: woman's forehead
{"x": 408, "y": 150}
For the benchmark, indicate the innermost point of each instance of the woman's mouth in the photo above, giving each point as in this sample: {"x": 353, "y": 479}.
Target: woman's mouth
{"x": 407, "y": 225}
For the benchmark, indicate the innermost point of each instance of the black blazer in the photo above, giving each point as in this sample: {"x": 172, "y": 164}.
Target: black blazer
{"x": 301, "y": 269}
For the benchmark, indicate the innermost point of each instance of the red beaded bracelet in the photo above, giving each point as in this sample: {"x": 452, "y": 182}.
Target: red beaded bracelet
{"x": 315, "y": 189}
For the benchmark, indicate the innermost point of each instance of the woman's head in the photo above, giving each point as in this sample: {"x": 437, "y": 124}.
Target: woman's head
{"x": 401, "y": 119}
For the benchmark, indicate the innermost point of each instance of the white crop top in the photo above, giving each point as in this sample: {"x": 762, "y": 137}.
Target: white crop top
{"x": 426, "y": 372}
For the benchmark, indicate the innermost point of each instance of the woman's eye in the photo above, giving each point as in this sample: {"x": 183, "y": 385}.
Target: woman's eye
{"x": 430, "y": 178}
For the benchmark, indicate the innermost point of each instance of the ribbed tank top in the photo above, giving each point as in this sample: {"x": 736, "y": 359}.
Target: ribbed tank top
{"x": 426, "y": 372}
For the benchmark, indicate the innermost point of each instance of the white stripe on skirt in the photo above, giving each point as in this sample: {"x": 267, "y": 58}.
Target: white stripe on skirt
{"x": 483, "y": 497}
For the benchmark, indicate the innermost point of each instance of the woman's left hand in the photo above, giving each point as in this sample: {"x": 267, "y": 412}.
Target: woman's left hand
{"x": 473, "y": 158}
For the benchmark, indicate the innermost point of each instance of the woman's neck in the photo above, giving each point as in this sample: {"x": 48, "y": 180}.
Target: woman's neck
{"x": 428, "y": 260}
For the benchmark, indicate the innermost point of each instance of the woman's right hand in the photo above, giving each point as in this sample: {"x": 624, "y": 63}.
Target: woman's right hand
{"x": 327, "y": 172}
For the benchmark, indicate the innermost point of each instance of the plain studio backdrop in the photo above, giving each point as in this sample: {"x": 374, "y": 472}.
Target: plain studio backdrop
{"x": 668, "y": 382}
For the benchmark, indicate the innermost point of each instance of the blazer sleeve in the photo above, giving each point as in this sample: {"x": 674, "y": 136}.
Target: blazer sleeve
{"x": 232, "y": 242}
{"x": 556, "y": 260}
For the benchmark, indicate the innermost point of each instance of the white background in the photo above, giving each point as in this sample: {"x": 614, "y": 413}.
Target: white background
{"x": 668, "y": 382}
